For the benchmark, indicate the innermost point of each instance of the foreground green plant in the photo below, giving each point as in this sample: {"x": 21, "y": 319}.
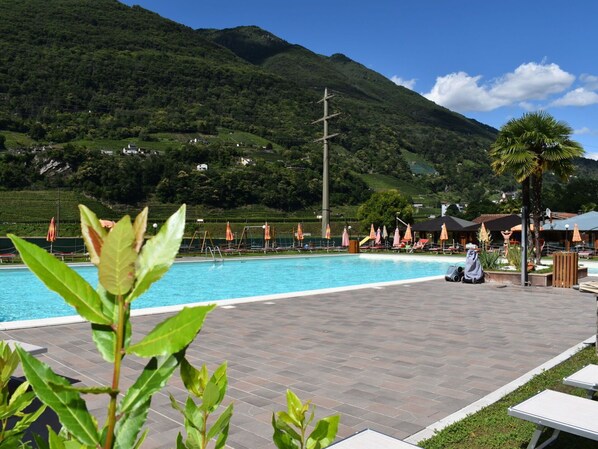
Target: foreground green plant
{"x": 12, "y": 406}
{"x": 127, "y": 267}
{"x": 290, "y": 427}
{"x": 210, "y": 391}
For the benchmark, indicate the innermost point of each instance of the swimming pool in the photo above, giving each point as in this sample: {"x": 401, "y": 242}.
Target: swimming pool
{"x": 24, "y": 297}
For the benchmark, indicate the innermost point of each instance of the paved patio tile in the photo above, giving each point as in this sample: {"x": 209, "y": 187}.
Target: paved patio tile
{"x": 395, "y": 359}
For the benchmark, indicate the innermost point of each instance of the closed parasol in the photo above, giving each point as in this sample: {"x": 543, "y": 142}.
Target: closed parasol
{"x": 408, "y": 237}
{"x": 576, "y": 236}
{"x": 484, "y": 237}
{"x": 51, "y": 236}
{"x": 372, "y": 232}
{"x": 328, "y": 233}
{"x": 396, "y": 241}
{"x": 345, "y": 239}
{"x": 299, "y": 232}
{"x": 378, "y": 239}
{"x": 443, "y": 232}
{"x": 229, "y": 233}
{"x": 443, "y": 235}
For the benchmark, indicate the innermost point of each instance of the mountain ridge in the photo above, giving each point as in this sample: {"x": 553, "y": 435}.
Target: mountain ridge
{"x": 73, "y": 71}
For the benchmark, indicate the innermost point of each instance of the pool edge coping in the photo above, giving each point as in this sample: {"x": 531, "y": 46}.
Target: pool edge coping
{"x": 75, "y": 319}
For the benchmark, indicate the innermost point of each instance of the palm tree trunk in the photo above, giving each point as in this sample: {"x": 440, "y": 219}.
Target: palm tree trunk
{"x": 525, "y": 193}
{"x": 536, "y": 209}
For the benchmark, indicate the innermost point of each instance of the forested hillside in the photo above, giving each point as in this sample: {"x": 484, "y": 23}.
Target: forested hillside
{"x": 77, "y": 76}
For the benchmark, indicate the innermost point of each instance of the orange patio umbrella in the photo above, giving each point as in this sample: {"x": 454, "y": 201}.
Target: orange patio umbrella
{"x": 484, "y": 237}
{"x": 443, "y": 233}
{"x": 229, "y": 233}
{"x": 51, "y": 236}
{"x": 576, "y": 236}
{"x": 328, "y": 233}
{"x": 408, "y": 235}
{"x": 372, "y": 232}
{"x": 299, "y": 232}
{"x": 267, "y": 235}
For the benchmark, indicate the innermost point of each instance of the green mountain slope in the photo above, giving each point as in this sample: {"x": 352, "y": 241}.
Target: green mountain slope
{"x": 77, "y": 71}
{"x": 368, "y": 100}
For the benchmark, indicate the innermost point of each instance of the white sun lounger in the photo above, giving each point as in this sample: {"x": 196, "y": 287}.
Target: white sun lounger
{"x": 370, "y": 439}
{"x": 558, "y": 411}
{"x": 586, "y": 378}
{"x": 31, "y": 349}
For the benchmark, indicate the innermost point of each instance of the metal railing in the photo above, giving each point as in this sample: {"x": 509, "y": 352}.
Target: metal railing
{"x": 213, "y": 251}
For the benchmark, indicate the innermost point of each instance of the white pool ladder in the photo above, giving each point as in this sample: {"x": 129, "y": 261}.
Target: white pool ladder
{"x": 213, "y": 251}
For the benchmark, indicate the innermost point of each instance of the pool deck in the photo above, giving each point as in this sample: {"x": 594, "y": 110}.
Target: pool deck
{"x": 394, "y": 358}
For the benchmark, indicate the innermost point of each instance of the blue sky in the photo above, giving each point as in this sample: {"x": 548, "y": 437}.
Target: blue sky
{"x": 491, "y": 61}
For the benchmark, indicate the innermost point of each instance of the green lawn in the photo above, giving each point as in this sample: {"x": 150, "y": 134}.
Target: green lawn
{"x": 418, "y": 164}
{"x": 493, "y": 428}
{"x": 17, "y": 140}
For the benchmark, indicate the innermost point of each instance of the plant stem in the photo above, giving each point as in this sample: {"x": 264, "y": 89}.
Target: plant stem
{"x": 204, "y": 431}
{"x": 118, "y": 355}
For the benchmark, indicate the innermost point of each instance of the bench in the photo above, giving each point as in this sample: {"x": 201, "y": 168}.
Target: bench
{"x": 369, "y": 438}
{"x": 560, "y": 412}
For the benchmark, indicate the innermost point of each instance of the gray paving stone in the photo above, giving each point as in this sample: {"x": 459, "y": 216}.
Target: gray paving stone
{"x": 394, "y": 359}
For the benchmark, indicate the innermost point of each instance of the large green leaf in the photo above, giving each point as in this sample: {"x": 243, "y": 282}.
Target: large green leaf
{"x": 139, "y": 228}
{"x": 129, "y": 426}
{"x": 153, "y": 378}
{"x": 281, "y": 437}
{"x": 324, "y": 433}
{"x": 159, "y": 252}
{"x": 93, "y": 233}
{"x": 194, "y": 380}
{"x": 116, "y": 270}
{"x": 68, "y": 405}
{"x": 222, "y": 423}
{"x": 104, "y": 336}
{"x": 61, "y": 279}
{"x": 173, "y": 334}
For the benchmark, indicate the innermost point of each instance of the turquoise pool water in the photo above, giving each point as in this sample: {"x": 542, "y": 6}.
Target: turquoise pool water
{"x": 24, "y": 297}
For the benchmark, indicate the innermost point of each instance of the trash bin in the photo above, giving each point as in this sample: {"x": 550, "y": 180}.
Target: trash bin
{"x": 564, "y": 269}
{"x": 353, "y": 246}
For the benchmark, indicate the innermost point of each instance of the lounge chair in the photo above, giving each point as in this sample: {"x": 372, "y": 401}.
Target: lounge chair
{"x": 31, "y": 349}
{"x": 419, "y": 245}
{"x": 586, "y": 378}
{"x": 6, "y": 257}
{"x": 560, "y": 412}
{"x": 585, "y": 254}
{"x": 371, "y": 439}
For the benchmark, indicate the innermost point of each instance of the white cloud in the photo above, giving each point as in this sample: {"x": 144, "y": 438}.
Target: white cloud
{"x": 577, "y": 97}
{"x": 590, "y": 81}
{"x": 584, "y": 130}
{"x": 531, "y": 81}
{"x": 461, "y": 92}
{"x": 409, "y": 84}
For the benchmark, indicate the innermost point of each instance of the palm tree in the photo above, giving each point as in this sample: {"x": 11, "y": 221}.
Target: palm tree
{"x": 527, "y": 148}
